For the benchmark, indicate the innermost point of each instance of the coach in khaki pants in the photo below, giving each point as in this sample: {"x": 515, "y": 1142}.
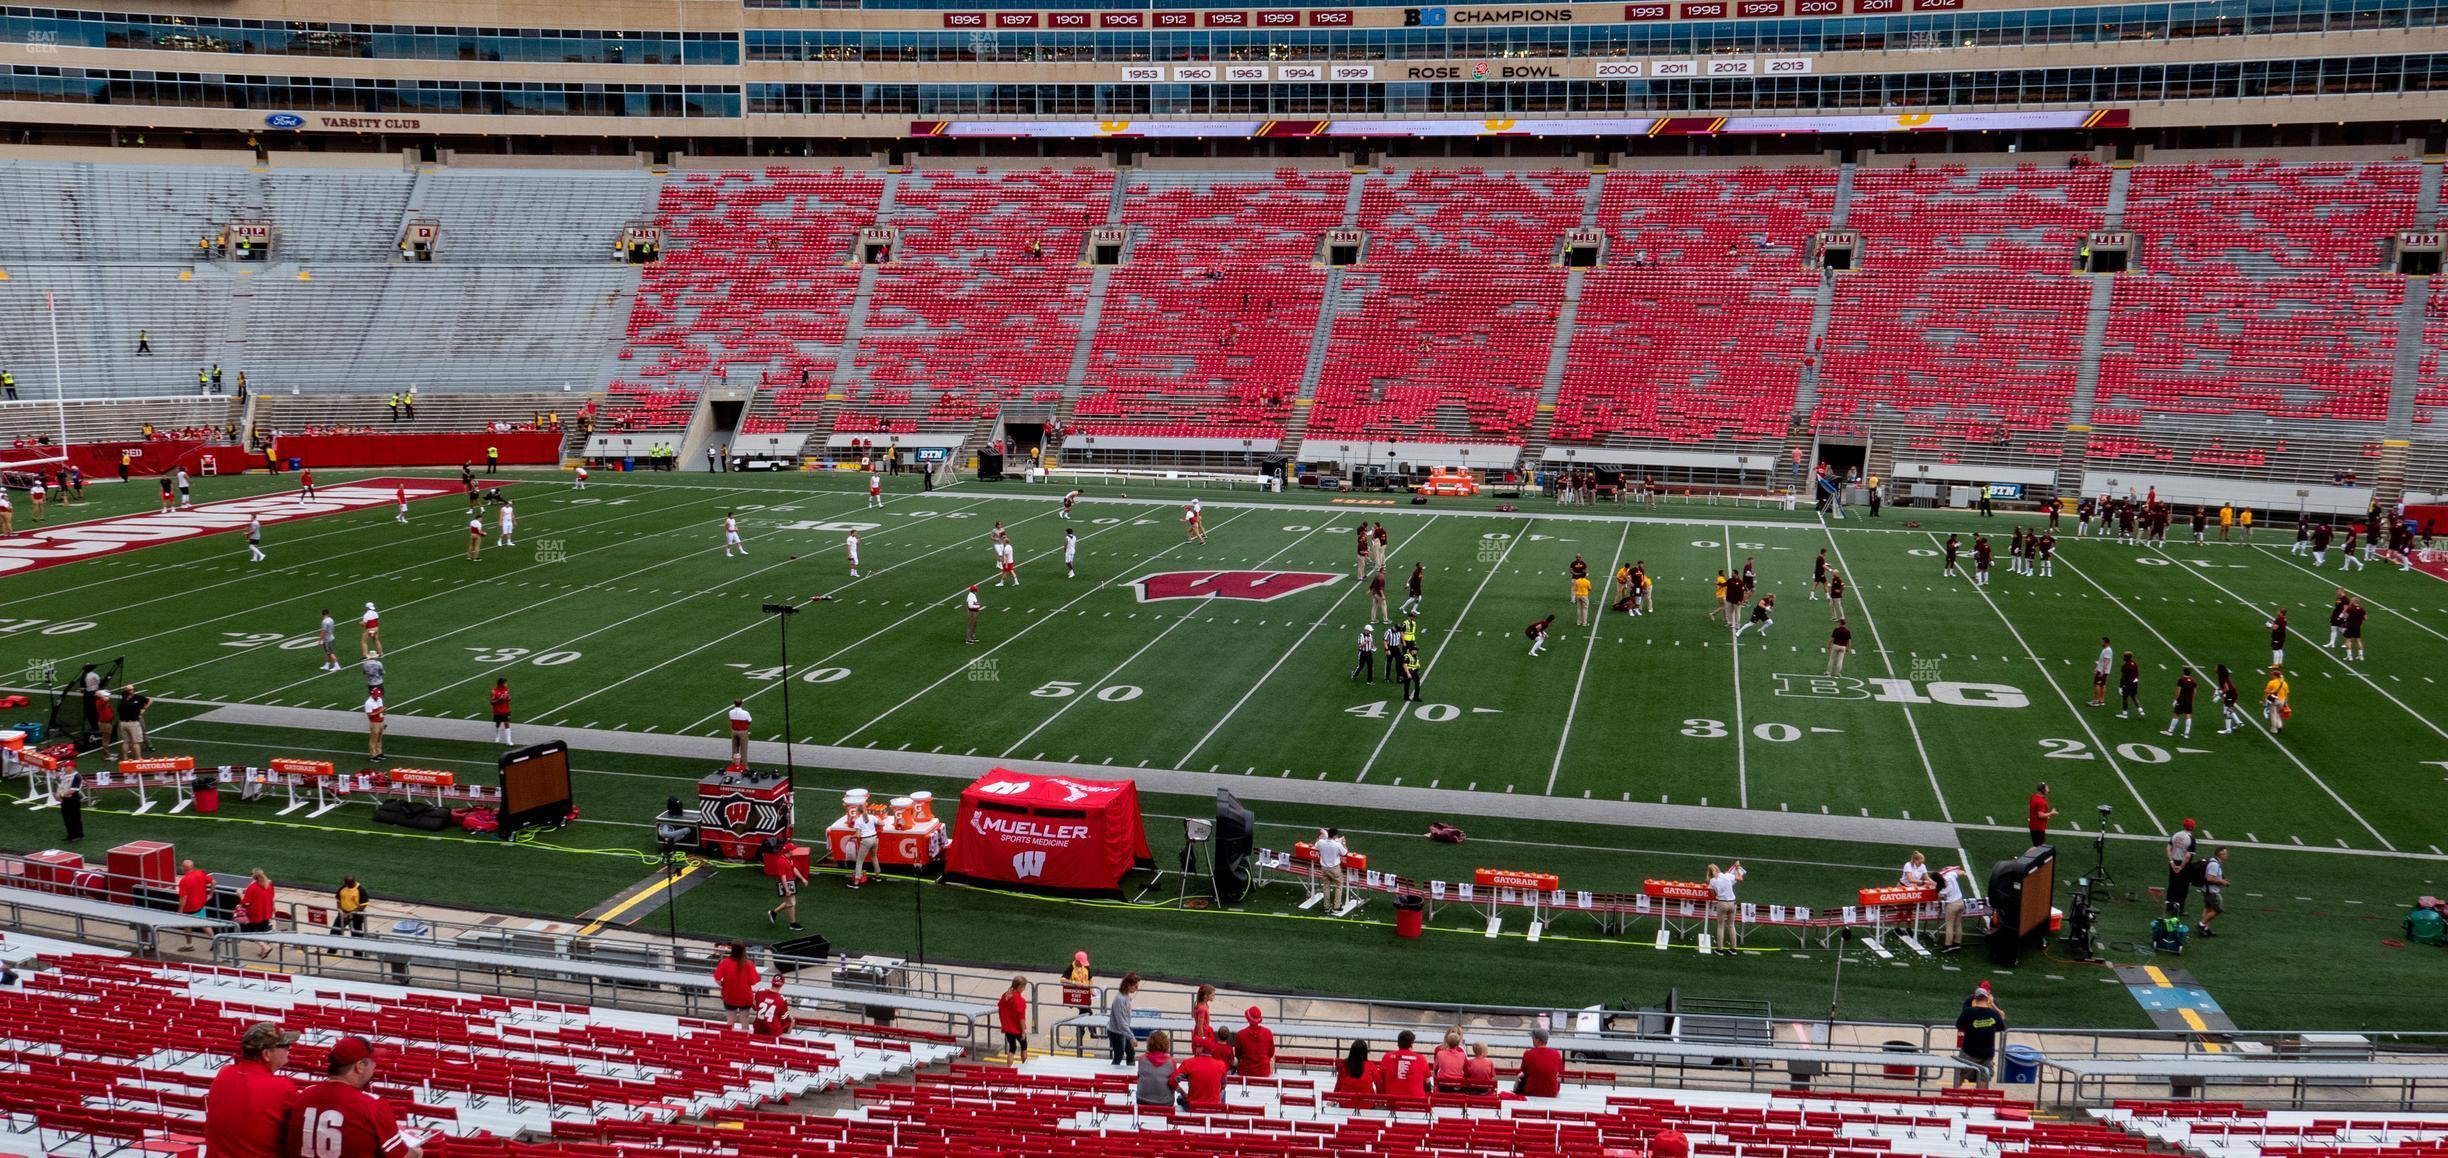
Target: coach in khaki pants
{"x": 1330, "y": 849}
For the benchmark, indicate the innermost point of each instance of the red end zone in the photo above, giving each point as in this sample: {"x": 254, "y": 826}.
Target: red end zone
{"x": 93, "y": 539}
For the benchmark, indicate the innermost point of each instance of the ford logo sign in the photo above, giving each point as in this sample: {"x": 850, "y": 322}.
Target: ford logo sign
{"x": 285, "y": 121}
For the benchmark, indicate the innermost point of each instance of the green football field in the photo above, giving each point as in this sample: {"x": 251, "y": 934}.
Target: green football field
{"x": 618, "y": 612}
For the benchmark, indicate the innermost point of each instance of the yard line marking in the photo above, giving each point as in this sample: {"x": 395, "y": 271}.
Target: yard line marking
{"x": 1861, "y": 603}
{"x": 254, "y": 608}
{"x": 2249, "y": 717}
{"x": 2368, "y": 601}
{"x": 1742, "y": 759}
{"x": 1557, "y": 768}
{"x": 497, "y": 669}
{"x": 867, "y": 573}
{"x": 2107, "y": 751}
{"x": 1013, "y": 637}
{"x": 2323, "y": 652}
{"x": 1448, "y": 638}
{"x": 1184, "y": 762}
{"x": 1072, "y": 701}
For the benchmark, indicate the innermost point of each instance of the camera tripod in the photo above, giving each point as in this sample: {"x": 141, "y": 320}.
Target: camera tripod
{"x": 2099, "y": 876}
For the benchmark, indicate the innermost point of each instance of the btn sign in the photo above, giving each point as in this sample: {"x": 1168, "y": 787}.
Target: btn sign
{"x": 1895, "y": 691}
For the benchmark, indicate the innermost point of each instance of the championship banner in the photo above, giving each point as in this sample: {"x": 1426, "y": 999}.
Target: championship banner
{"x": 1054, "y": 834}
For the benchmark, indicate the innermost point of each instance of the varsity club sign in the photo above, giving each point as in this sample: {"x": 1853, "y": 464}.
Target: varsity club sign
{"x": 1247, "y": 586}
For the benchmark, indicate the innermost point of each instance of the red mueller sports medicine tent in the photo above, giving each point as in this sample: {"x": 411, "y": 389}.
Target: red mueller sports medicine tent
{"x": 1051, "y": 834}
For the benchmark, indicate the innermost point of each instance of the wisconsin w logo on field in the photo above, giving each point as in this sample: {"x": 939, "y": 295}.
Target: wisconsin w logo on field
{"x": 1254, "y": 586}
{"x": 1028, "y": 864}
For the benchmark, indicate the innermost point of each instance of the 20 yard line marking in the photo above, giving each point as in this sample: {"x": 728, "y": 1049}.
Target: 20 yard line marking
{"x": 1590, "y": 648}
{"x": 1100, "y": 683}
{"x": 1861, "y": 603}
{"x": 1473, "y": 601}
{"x": 2107, "y": 751}
{"x": 1184, "y": 762}
{"x": 2249, "y": 718}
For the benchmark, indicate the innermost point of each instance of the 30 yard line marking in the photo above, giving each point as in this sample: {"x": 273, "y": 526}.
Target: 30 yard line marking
{"x": 1184, "y": 762}
{"x": 1861, "y": 603}
{"x": 1590, "y": 648}
{"x": 1447, "y": 640}
{"x": 2249, "y": 718}
{"x": 1742, "y": 758}
{"x": 1008, "y": 640}
{"x": 1099, "y": 684}
{"x": 2107, "y": 751}
{"x": 2323, "y": 652}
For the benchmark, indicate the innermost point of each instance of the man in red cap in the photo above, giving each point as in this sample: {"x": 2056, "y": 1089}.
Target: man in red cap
{"x": 336, "y": 1118}
{"x": 1254, "y": 1046}
{"x": 249, "y": 1100}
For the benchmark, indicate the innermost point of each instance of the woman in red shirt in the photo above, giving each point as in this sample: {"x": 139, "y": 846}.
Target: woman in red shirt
{"x": 255, "y": 907}
{"x": 1356, "y": 1074}
{"x": 736, "y": 977}
{"x": 1012, "y": 1011}
{"x": 1202, "y": 1030}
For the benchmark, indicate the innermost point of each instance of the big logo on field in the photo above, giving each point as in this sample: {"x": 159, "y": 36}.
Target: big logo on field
{"x": 1254, "y": 586}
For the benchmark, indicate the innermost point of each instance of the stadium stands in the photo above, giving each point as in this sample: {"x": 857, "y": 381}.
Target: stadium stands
{"x": 1442, "y": 333}
{"x": 2232, "y": 1130}
{"x": 1206, "y": 329}
{"x": 467, "y": 1065}
{"x": 1963, "y": 325}
{"x": 1662, "y": 352}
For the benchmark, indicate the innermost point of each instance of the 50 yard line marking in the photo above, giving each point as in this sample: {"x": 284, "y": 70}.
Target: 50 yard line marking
{"x": 1590, "y": 648}
{"x": 2106, "y": 750}
{"x": 1296, "y": 645}
{"x": 1070, "y": 702}
{"x": 1861, "y": 603}
{"x": 1742, "y": 759}
{"x": 1442, "y": 644}
{"x": 1008, "y": 640}
{"x": 2249, "y": 717}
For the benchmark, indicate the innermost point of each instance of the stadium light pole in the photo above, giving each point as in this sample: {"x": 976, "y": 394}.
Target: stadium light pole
{"x": 790, "y": 770}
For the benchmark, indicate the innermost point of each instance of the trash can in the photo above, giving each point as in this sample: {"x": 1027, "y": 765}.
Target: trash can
{"x": 1410, "y": 916}
{"x": 627, "y": 465}
{"x": 1900, "y": 1073}
{"x": 293, "y": 463}
{"x": 2022, "y": 1065}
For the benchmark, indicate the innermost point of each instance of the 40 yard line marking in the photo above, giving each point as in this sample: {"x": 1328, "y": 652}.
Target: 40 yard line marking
{"x": 1008, "y": 640}
{"x": 2106, "y": 750}
{"x": 1296, "y": 646}
{"x": 1102, "y": 681}
{"x": 1448, "y": 639}
{"x": 1861, "y": 603}
{"x": 1590, "y": 648}
{"x": 2249, "y": 717}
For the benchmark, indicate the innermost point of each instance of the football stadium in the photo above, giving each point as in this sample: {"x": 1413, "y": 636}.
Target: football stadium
{"x": 475, "y": 475}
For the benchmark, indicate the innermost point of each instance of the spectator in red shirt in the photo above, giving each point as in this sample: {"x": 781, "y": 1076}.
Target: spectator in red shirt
{"x": 773, "y": 1011}
{"x": 249, "y": 1101}
{"x": 1448, "y": 1060}
{"x": 1202, "y": 1027}
{"x": 1356, "y": 1074}
{"x": 1012, "y": 1011}
{"x": 1254, "y": 1046}
{"x": 1200, "y": 1080}
{"x": 1479, "y": 1073}
{"x": 1669, "y": 1143}
{"x": 255, "y": 908}
{"x": 2040, "y": 814}
{"x": 736, "y": 977}
{"x": 1542, "y": 1068}
{"x": 1403, "y": 1073}
{"x": 195, "y": 888}
{"x": 338, "y": 1119}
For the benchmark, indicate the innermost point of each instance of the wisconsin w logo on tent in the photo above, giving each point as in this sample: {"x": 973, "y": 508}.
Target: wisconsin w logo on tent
{"x": 1253, "y": 586}
{"x": 1028, "y": 864}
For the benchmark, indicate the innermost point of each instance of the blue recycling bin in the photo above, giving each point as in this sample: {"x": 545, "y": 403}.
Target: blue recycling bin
{"x": 2022, "y": 1065}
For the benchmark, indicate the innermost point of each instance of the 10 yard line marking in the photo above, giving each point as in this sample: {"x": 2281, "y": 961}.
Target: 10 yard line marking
{"x": 2107, "y": 752}
{"x": 2249, "y": 718}
{"x": 1007, "y": 641}
{"x": 1442, "y": 644}
{"x": 1100, "y": 683}
{"x": 1861, "y": 600}
{"x": 1590, "y": 648}
{"x": 1296, "y": 644}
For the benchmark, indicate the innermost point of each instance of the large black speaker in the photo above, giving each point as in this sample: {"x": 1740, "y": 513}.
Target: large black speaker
{"x": 1236, "y": 837}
